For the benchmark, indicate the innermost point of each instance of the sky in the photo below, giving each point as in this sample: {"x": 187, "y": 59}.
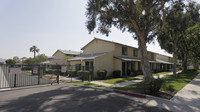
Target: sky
{"x": 51, "y": 25}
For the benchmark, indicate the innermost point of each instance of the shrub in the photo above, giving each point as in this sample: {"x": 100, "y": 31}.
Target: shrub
{"x": 71, "y": 73}
{"x": 51, "y": 71}
{"x": 152, "y": 87}
{"x": 102, "y": 74}
{"x": 139, "y": 72}
{"x": 84, "y": 75}
{"x": 116, "y": 74}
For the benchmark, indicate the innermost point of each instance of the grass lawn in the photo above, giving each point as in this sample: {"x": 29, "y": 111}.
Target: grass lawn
{"x": 174, "y": 84}
{"x": 170, "y": 84}
{"x": 89, "y": 84}
{"x": 161, "y": 73}
{"x": 118, "y": 80}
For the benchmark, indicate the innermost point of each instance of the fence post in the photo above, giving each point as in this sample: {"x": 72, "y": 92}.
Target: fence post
{"x": 58, "y": 74}
{"x": 58, "y": 78}
{"x": 15, "y": 80}
{"x": 38, "y": 75}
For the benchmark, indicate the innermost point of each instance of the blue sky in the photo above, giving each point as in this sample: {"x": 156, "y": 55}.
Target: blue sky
{"x": 50, "y": 25}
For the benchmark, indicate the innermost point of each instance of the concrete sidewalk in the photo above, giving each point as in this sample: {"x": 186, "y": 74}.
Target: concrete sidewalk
{"x": 163, "y": 103}
{"x": 190, "y": 94}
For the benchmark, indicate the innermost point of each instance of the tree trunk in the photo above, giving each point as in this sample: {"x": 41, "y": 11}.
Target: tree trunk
{"x": 184, "y": 62}
{"x": 195, "y": 64}
{"x": 144, "y": 61}
{"x": 175, "y": 55}
{"x": 34, "y": 54}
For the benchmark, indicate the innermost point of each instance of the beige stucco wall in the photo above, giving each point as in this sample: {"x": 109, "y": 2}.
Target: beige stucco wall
{"x": 118, "y": 51}
{"x": 161, "y": 57}
{"x": 149, "y": 56}
{"x": 59, "y": 62}
{"x": 104, "y": 62}
{"x": 117, "y": 64}
{"x": 59, "y": 55}
{"x": 98, "y": 46}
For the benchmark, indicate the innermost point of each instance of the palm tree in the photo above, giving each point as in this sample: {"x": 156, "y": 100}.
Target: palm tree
{"x": 34, "y": 49}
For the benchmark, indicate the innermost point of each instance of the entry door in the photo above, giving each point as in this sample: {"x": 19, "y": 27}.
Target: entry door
{"x": 123, "y": 68}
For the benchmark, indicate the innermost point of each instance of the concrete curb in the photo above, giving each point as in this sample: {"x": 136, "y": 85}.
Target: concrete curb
{"x": 131, "y": 94}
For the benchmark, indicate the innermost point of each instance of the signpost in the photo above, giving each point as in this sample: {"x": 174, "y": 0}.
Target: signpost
{"x": 35, "y": 70}
{"x": 14, "y": 70}
{"x": 63, "y": 69}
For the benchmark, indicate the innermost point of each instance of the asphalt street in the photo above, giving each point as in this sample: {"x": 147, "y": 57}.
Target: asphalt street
{"x": 68, "y": 98}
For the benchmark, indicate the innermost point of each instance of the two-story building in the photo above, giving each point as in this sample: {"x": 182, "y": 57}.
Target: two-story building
{"x": 60, "y": 57}
{"x": 111, "y": 56}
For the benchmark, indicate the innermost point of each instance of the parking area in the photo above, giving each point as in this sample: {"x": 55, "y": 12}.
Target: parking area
{"x": 67, "y": 98}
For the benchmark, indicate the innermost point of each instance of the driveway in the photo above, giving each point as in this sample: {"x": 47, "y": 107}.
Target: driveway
{"x": 68, "y": 98}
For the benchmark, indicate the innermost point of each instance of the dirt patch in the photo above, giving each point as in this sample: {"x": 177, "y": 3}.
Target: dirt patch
{"x": 165, "y": 94}
{"x": 162, "y": 94}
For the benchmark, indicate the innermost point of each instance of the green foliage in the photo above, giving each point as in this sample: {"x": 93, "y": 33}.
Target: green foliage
{"x": 51, "y": 71}
{"x": 116, "y": 74}
{"x": 34, "y": 49}
{"x": 16, "y": 58}
{"x": 102, "y": 74}
{"x": 84, "y": 74}
{"x": 41, "y": 58}
{"x": 193, "y": 38}
{"x": 10, "y": 61}
{"x": 30, "y": 61}
{"x": 67, "y": 57}
{"x": 152, "y": 87}
{"x": 174, "y": 84}
{"x": 119, "y": 80}
{"x": 71, "y": 73}
{"x": 123, "y": 15}
{"x": 176, "y": 37}
{"x": 37, "y": 60}
{"x": 169, "y": 83}
{"x": 89, "y": 84}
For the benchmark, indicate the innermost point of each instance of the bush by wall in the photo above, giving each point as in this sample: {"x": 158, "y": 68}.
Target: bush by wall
{"x": 102, "y": 74}
{"x": 116, "y": 74}
{"x": 152, "y": 87}
{"x": 71, "y": 73}
{"x": 51, "y": 71}
{"x": 84, "y": 75}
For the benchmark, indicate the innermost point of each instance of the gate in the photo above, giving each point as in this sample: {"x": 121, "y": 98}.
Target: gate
{"x": 22, "y": 75}
{"x": 29, "y": 75}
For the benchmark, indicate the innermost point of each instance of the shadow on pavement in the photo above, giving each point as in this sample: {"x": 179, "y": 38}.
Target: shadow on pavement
{"x": 68, "y": 98}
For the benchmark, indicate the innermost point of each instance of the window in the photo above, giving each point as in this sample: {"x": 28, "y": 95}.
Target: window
{"x": 132, "y": 66}
{"x": 124, "y": 50}
{"x": 151, "y": 65}
{"x": 152, "y": 56}
{"x": 78, "y": 67}
{"x": 135, "y": 52}
{"x": 139, "y": 66}
{"x": 88, "y": 66}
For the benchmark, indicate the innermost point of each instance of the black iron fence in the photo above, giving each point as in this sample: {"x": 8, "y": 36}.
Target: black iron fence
{"x": 28, "y": 75}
